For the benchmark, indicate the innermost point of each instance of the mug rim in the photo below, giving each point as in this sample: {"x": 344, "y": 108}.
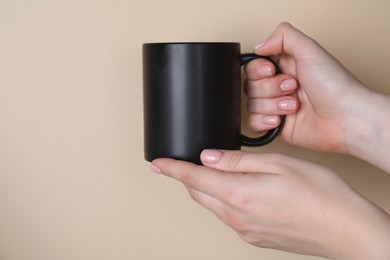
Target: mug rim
{"x": 191, "y": 43}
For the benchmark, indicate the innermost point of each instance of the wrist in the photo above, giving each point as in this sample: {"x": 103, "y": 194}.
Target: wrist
{"x": 366, "y": 132}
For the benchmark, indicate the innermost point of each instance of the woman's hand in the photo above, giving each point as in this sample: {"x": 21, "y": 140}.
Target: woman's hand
{"x": 285, "y": 203}
{"x": 319, "y": 95}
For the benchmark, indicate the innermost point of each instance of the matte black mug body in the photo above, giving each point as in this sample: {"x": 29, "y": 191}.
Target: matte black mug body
{"x": 192, "y": 98}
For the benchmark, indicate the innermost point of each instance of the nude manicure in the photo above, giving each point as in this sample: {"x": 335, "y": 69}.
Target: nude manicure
{"x": 288, "y": 105}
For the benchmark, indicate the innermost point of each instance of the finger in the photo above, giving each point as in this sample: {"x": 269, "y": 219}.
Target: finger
{"x": 287, "y": 38}
{"x": 241, "y": 162}
{"x": 203, "y": 179}
{"x": 276, "y": 106}
{"x": 225, "y": 211}
{"x": 209, "y": 202}
{"x": 206, "y": 200}
{"x": 277, "y": 86}
{"x": 259, "y": 69}
{"x": 258, "y": 122}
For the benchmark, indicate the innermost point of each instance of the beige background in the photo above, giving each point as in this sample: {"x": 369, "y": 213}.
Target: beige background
{"x": 73, "y": 182}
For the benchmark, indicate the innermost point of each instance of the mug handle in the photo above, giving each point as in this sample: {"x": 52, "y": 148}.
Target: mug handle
{"x": 273, "y": 133}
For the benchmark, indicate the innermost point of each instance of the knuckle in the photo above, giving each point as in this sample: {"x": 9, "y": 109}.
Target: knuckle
{"x": 235, "y": 159}
{"x": 262, "y": 106}
{"x": 266, "y": 89}
{"x": 249, "y": 238}
{"x": 247, "y": 88}
{"x": 236, "y": 222}
{"x": 239, "y": 199}
{"x": 284, "y": 26}
{"x": 193, "y": 194}
{"x": 189, "y": 178}
{"x": 262, "y": 88}
{"x": 259, "y": 239}
{"x": 251, "y": 88}
{"x": 277, "y": 162}
{"x": 250, "y": 105}
{"x": 253, "y": 122}
{"x": 273, "y": 158}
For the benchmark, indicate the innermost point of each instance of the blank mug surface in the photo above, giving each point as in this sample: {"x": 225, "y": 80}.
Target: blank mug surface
{"x": 191, "y": 99}
{"x": 192, "y": 96}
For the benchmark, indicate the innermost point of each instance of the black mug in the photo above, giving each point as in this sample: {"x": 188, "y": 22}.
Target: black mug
{"x": 192, "y": 99}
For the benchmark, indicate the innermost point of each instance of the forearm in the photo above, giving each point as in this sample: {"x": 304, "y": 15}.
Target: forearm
{"x": 367, "y": 236}
{"x": 367, "y": 132}
{"x": 361, "y": 230}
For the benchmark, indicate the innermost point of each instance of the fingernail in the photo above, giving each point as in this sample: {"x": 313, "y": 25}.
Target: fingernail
{"x": 271, "y": 120}
{"x": 265, "y": 71}
{"x": 288, "y": 85}
{"x": 260, "y": 44}
{"x": 288, "y": 105}
{"x": 210, "y": 156}
{"x": 155, "y": 168}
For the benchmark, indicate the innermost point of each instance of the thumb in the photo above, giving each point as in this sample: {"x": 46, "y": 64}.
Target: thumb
{"x": 288, "y": 39}
{"x": 239, "y": 161}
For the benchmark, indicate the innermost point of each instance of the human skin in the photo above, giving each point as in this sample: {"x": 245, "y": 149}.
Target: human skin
{"x": 280, "y": 202}
{"x": 276, "y": 201}
{"x": 337, "y": 113}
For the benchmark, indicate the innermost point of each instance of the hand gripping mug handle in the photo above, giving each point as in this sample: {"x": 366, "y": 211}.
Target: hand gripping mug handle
{"x": 273, "y": 133}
